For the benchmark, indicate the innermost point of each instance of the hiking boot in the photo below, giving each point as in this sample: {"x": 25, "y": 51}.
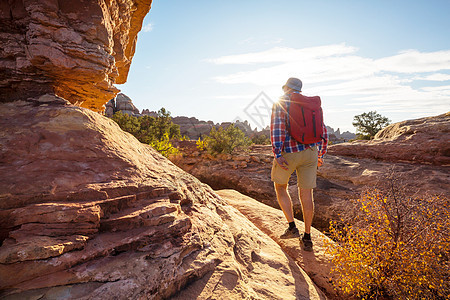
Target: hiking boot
{"x": 290, "y": 233}
{"x": 307, "y": 244}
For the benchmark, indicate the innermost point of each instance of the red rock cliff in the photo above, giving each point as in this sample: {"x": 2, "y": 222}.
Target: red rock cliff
{"x": 76, "y": 49}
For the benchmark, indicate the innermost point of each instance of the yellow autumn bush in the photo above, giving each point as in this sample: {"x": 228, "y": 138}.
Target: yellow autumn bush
{"x": 394, "y": 247}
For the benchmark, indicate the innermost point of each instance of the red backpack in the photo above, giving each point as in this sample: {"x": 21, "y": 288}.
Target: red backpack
{"x": 305, "y": 119}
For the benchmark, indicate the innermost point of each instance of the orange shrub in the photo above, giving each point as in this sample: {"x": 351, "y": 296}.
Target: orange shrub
{"x": 395, "y": 247}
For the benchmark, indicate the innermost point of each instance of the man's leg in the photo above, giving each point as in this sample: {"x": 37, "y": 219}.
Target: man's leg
{"x": 306, "y": 198}
{"x": 286, "y": 206}
{"x": 284, "y": 199}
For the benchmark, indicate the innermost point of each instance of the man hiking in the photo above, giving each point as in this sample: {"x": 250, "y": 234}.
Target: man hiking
{"x": 299, "y": 141}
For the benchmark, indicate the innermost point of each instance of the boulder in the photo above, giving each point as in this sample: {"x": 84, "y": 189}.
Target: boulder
{"x": 88, "y": 212}
{"x": 77, "y": 50}
{"x": 110, "y": 108}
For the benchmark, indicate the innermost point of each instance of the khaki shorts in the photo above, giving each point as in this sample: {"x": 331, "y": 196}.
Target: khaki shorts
{"x": 304, "y": 162}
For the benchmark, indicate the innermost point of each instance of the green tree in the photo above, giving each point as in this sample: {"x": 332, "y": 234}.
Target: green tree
{"x": 226, "y": 140}
{"x": 164, "y": 124}
{"x": 368, "y": 124}
{"x": 155, "y": 131}
{"x": 127, "y": 123}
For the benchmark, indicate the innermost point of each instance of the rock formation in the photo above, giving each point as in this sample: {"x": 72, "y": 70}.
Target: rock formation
{"x": 121, "y": 103}
{"x": 423, "y": 141}
{"x": 87, "y": 212}
{"x": 349, "y": 168}
{"x": 77, "y": 50}
{"x": 192, "y": 127}
{"x": 338, "y": 137}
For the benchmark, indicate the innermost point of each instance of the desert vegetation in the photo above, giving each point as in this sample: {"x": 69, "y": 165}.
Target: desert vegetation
{"x": 396, "y": 247}
{"x": 159, "y": 131}
{"x": 368, "y": 124}
{"x": 155, "y": 131}
{"x": 225, "y": 140}
{"x": 260, "y": 139}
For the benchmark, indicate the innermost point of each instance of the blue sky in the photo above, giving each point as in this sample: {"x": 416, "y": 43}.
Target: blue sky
{"x": 227, "y": 60}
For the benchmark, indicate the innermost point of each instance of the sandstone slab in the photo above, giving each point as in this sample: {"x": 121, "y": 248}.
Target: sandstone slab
{"x": 316, "y": 264}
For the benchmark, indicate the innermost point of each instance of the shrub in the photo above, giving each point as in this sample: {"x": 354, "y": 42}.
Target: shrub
{"x": 226, "y": 140}
{"x": 201, "y": 145}
{"x": 127, "y": 123}
{"x": 155, "y": 131}
{"x": 397, "y": 246}
{"x": 164, "y": 146}
{"x": 260, "y": 139}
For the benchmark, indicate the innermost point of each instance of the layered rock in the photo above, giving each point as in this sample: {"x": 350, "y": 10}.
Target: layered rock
{"x": 423, "y": 141}
{"x": 89, "y": 212}
{"x": 192, "y": 127}
{"x": 195, "y": 129}
{"x": 76, "y": 49}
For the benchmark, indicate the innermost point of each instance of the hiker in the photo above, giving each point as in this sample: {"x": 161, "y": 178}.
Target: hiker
{"x": 292, "y": 155}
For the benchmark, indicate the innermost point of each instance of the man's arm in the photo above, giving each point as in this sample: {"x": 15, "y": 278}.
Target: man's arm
{"x": 277, "y": 128}
{"x": 278, "y": 133}
{"x": 322, "y": 145}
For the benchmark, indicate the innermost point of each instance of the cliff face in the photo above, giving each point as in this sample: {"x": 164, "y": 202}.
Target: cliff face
{"x": 76, "y": 49}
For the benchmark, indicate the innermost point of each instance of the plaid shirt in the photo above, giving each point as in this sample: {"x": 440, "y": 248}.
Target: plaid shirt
{"x": 280, "y": 137}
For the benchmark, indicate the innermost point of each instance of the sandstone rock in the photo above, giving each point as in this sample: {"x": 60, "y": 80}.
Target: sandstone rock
{"x": 76, "y": 49}
{"x": 423, "y": 141}
{"x": 39, "y": 247}
{"x": 341, "y": 178}
{"x": 125, "y": 105}
{"x": 195, "y": 129}
{"x": 338, "y": 137}
{"x": 267, "y": 275}
{"x": 88, "y": 212}
{"x": 272, "y": 222}
{"x": 245, "y": 158}
{"x": 147, "y": 112}
{"x": 192, "y": 127}
{"x": 253, "y": 179}
{"x": 110, "y": 108}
